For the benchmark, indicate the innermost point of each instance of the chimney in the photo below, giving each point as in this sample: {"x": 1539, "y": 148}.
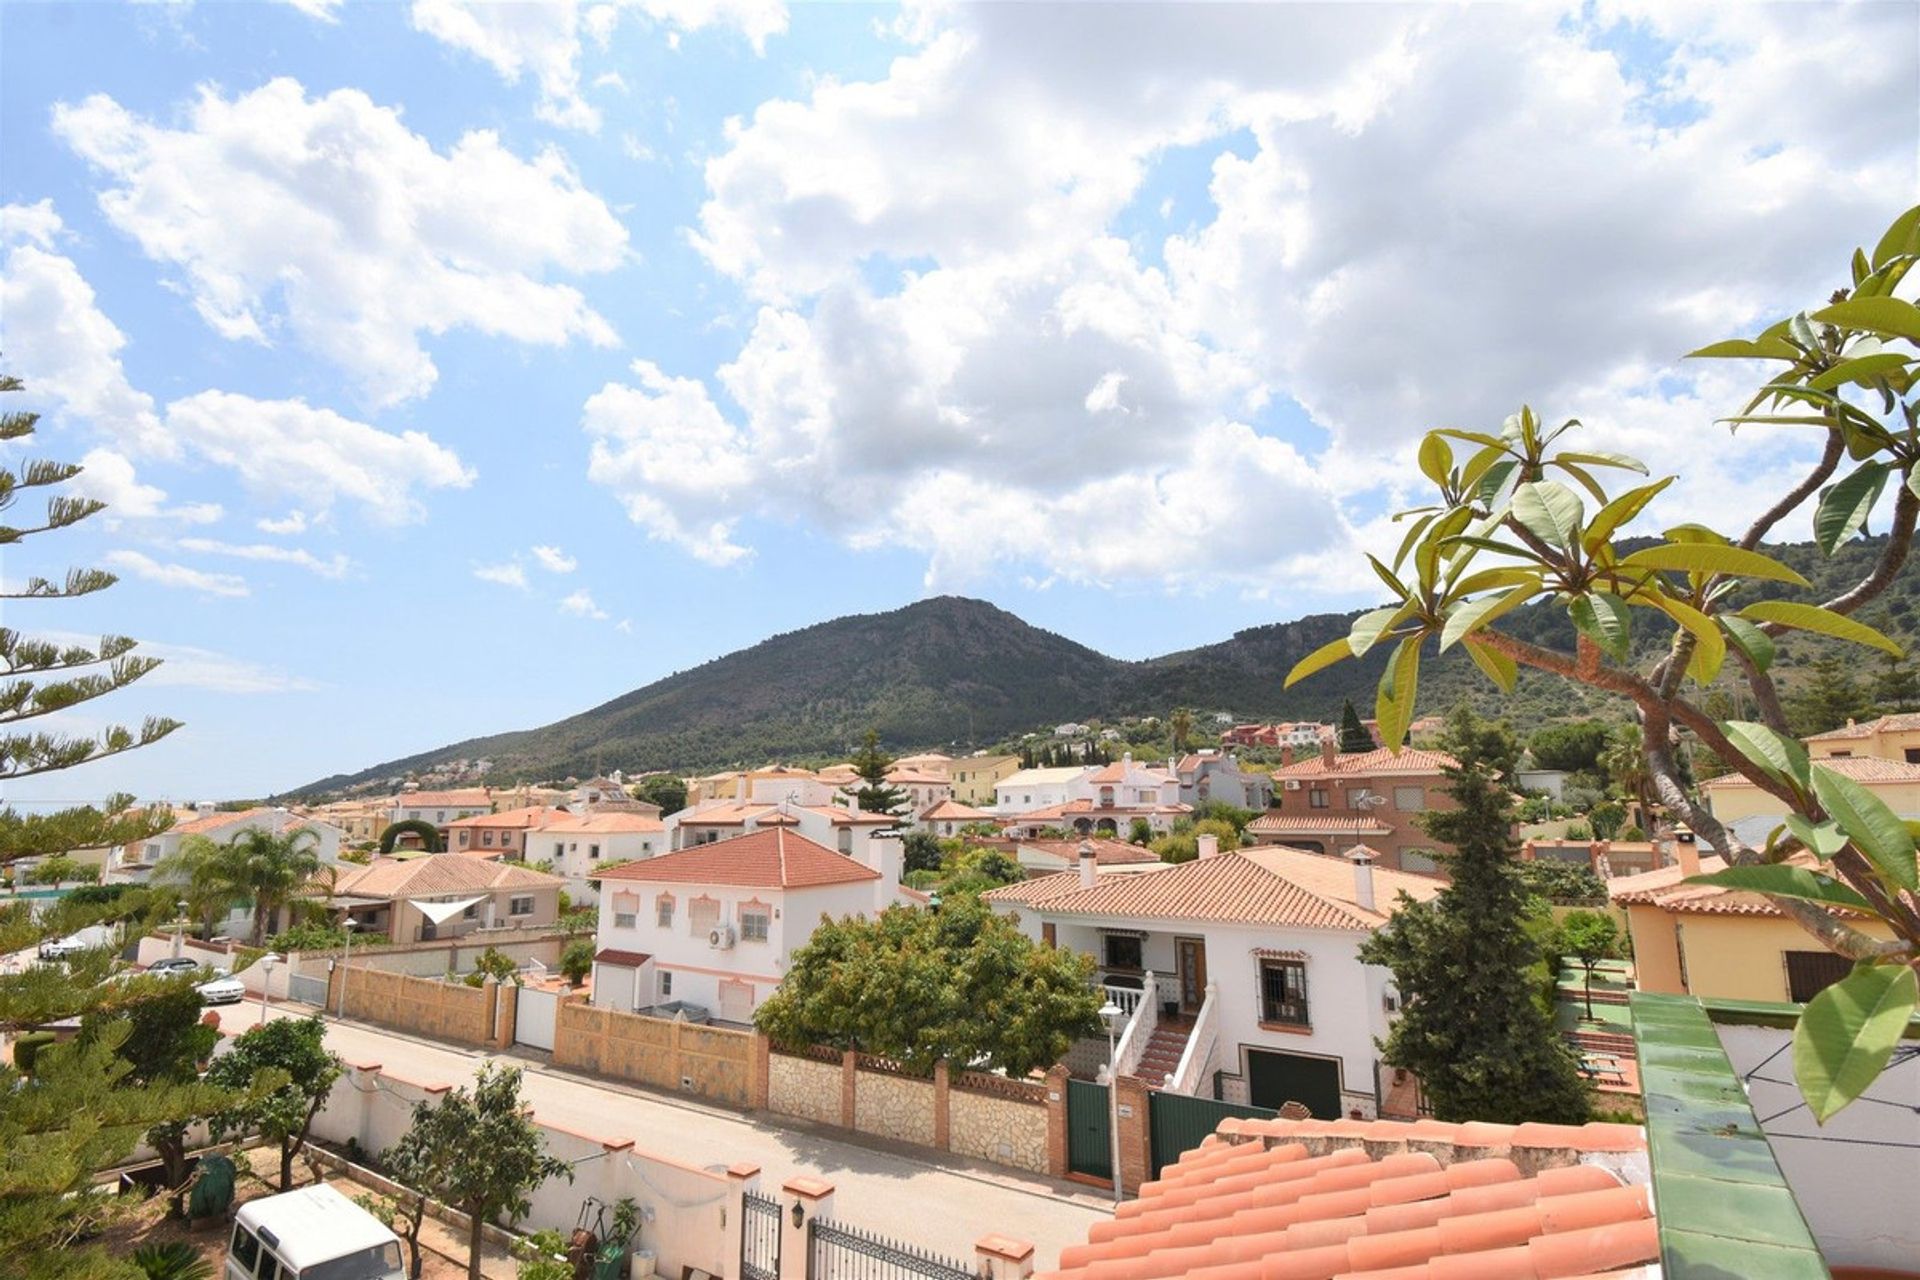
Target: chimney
{"x": 1087, "y": 864}
{"x": 1286, "y": 755}
{"x": 885, "y": 854}
{"x": 1362, "y": 859}
{"x": 1209, "y": 845}
{"x": 1688, "y": 853}
{"x": 1329, "y": 750}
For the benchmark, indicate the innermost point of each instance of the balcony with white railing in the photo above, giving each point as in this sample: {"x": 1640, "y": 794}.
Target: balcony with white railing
{"x": 1141, "y": 1020}
{"x": 1196, "y": 1060}
{"x": 1126, "y": 999}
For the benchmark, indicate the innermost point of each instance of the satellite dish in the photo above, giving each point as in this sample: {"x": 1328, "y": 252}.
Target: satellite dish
{"x": 1365, "y": 799}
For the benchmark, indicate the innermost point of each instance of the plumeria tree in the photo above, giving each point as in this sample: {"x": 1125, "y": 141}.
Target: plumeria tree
{"x": 1527, "y": 514}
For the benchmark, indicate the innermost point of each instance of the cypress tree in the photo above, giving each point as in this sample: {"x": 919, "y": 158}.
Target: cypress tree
{"x": 1354, "y": 737}
{"x": 1474, "y": 1027}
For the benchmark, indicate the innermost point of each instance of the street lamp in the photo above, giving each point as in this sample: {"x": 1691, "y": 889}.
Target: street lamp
{"x": 179, "y": 925}
{"x": 1112, "y": 1016}
{"x": 349, "y": 924}
{"x": 267, "y": 962}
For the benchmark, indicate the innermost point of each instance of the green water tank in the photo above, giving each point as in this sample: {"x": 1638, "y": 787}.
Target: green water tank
{"x": 213, "y": 1192}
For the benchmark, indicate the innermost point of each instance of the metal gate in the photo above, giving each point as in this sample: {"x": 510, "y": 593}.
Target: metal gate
{"x": 1178, "y": 1124}
{"x": 836, "y": 1252}
{"x": 760, "y": 1238}
{"x": 534, "y": 1014}
{"x": 307, "y": 990}
{"x": 1089, "y": 1137}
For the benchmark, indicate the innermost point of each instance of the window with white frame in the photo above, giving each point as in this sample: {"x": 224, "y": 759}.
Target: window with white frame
{"x": 755, "y": 923}
{"x": 1283, "y": 992}
{"x": 624, "y": 919}
{"x": 593, "y": 851}
{"x": 520, "y": 905}
{"x": 666, "y": 984}
{"x": 663, "y": 911}
{"x": 702, "y": 915}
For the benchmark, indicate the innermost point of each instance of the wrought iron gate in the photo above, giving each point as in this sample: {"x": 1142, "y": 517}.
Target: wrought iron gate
{"x": 760, "y": 1238}
{"x": 836, "y": 1252}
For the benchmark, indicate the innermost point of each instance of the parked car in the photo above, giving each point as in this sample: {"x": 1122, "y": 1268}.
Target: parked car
{"x": 61, "y": 948}
{"x": 224, "y": 988}
{"x": 174, "y": 964}
{"x": 314, "y": 1231}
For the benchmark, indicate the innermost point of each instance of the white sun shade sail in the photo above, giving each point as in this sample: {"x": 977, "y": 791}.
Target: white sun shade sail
{"x": 441, "y": 912}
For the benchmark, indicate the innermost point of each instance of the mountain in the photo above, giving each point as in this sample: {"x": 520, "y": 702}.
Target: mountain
{"x": 956, "y": 671}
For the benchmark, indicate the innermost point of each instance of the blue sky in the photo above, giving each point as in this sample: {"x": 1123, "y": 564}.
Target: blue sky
{"x": 453, "y": 367}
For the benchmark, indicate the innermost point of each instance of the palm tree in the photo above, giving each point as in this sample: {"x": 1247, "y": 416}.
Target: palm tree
{"x": 267, "y": 869}
{"x": 1626, "y": 766}
{"x": 1181, "y": 722}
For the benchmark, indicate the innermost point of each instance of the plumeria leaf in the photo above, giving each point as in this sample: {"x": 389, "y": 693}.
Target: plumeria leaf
{"x": 1811, "y": 617}
{"x": 1874, "y": 829}
{"x": 1844, "y": 506}
{"x": 1783, "y": 881}
{"x": 1847, "y": 1034}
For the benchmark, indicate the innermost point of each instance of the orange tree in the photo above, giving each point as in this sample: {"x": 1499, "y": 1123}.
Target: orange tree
{"x": 1525, "y": 514}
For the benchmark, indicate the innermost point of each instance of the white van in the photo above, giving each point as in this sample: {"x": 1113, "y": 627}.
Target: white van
{"x": 314, "y": 1233}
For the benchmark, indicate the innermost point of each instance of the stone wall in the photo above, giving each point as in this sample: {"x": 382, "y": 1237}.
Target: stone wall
{"x": 804, "y": 1088}
{"x": 712, "y": 1062}
{"x": 424, "y": 1006}
{"x": 996, "y": 1128}
{"x": 894, "y": 1106}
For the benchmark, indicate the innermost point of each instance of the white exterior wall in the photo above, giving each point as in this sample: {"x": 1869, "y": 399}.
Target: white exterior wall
{"x": 572, "y": 854}
{"x": 793, "y": 790}
{"x": 1015, "y": 796}
{"x": 438, "y": 815}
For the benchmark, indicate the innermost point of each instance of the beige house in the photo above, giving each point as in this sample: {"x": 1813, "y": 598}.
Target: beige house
{"x": 1888, "y": 738}
{"x": 1735, "y": 799}
{"x": 445, "y": 896}
{"x": 500, "y": 835}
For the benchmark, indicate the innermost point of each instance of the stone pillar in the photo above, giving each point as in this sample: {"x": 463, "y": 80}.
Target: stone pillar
{"x": 1057, "y": 1120}
{"x": 814, "y": 1199}
{"x": 1136, "y": 1142}
{"x": 741, "y": 1178}
{"x": 675, "y": 1063}
{"x": 506, "y": 1007}
{"x": 1003, "y": 1258}
{"x": 941, "y": 1120}
{"x": 849, "y": 1087}
{"x": 759, "y": 1072}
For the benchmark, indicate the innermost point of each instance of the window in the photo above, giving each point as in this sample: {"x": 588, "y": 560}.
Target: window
{"x": 623, "y": 920}
{"x": 269, "y": 1268}
{"x": 1912, "y": 755}
{"x": 702, "y": 915}
{"x": 486, "y": 838}
{"x": 246, "y": 1249}
{"x": 1409, "y": 799}
{"x": 593, "y": 851}
{"x": 362, "y": 1264}
{"x": 1317, "y": 798}
{"x": 440, "y": 815}
{"x": 1047, "y": 934}
{"x": 663, "y": 911}
{"x": 1423, "y": 862}
{"x": 520, "y": 906}
{"x": 559, "y": 851}
{"x": 1811, "y": 972}
{"x": 666, "y": 985}
{"x": 471, "y": 913}
{"x": 1283, "y": 992}
{"x": 754, "y": 924}
{"x": 1122, "y": 951}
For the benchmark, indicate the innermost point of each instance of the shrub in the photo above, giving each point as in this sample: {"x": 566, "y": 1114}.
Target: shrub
{"x": 172, "y": 1260}
{"x": 1606, "y": 818}
{"x": 1634, "y": 835}
{"x": 1139, "y": 831}
{"x": 1579, "y": 831}
{"x": 27, "y": 1047}
{"x": 576, "y": 962}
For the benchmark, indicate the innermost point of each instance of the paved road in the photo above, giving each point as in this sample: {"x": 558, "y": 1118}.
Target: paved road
{"x": 895, "y": 1191}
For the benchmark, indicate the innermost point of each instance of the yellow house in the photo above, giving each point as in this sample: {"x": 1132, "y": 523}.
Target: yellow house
{"x": 974, "y": 777}
{"x": 1897, "y": 783}
{"x": 1888, "y": 738}
{"x": 715, "y": 786}
{"x": 1718, "y": 943}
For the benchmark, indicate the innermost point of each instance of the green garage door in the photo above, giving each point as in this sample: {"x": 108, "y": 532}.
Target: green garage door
{"x": 1274, "y": 1079}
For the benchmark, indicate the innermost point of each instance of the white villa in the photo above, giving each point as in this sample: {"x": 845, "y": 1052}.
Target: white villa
{"x": 1244, "y": 963}
{"x": 711, "y": 928}
{"x": 1093, "y": 799}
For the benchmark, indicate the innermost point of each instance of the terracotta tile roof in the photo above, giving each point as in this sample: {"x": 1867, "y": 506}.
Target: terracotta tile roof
{"x": 775, "y": 858}
{"x": 1859, "y": 768}
{"x": 607, "y": 824}
{"x": 735, "y": 814}
{"x": 1105, "y": 852}
{"x": 465, "y": 798}
{"x": 534, "y": 815}
{"x": 951, "y": 810}
{"x": 1662, "y": 887}
{"x": 204, "y": 823}
{"x": 1074, "y": 808}
{"x": 1383, "y": 1200}
{"x": 1268, "y": 886}
{"x": 1411, "y": 760}
{"x": 1906, "y": 722}
{"x": 625, "y": 959}
{"x": 917, "y": 777}
{"x": 1308, "y": 824}
{"x": 438, "y": 873}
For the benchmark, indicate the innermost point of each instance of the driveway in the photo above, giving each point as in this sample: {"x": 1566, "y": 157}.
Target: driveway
{"x": 892, "y": 1190}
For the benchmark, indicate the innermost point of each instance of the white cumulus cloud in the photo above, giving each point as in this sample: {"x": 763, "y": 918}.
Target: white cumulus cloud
{"x": 554, "y": 560}
{"x": 185, "y": 577}
{"x": 328, "y": 220}
{"x": 581, "y": 605}
{"x": 334, "y": 566}
{"x": 108, "y": 477}
{"x": 507, "y": 574}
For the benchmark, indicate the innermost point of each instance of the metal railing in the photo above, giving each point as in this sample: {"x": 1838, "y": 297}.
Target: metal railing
{"x": 1197, "y": 1058}
{"x": 836, "y": 1252}
{"x": 759, "y": 1237}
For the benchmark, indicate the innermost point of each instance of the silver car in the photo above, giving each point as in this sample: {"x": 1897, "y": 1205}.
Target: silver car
{"x": 173, "y": 964}
{"x": 222, "y": 989}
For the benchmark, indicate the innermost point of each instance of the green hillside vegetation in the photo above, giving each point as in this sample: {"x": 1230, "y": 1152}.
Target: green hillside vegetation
{"x": 958, "y": 674}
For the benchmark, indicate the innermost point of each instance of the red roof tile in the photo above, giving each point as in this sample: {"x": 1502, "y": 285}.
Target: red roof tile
{"x": 774, "y": 858}
{"x": 1906, "y": 722}
{"x": 1307, "y": 824}
{"x": 1859, "y": 768}
{"x": 625, "y": 959}
{"x": 1380, "y": 1200}
{"x": 1382, "y": 761}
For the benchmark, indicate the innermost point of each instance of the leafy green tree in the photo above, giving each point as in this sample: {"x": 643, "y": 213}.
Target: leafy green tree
{"x": 1897, "y": 688}
{"x": 1572, "y": 748}
{"x": 920, "y": 851}
{"x": 1850, "y": 371}
{"x": 496, "y": 964}
{"x": 167, "y": 1046}
{"x": 576, "y": 962}
{"x": 1180, "y": 725}
{"x": 962, "y": 983}
{"x": 1827, "y": 698}
{"x": 1139, "y": 831}
{"x": 1589, "y": 937}
{"x": 1354, "y": 737}
{"x": 1473, "y": 741}
{"x": 663, "y": 789}
{"x": 1626, "y": 768}
{"x": 1561, "y": 882}
{"x": 1472, "y": 1027}
{"x": 428, "y": 833}
{"x": 1606, "y": 819}
{"x": 1220, "y": 829}
{"x": 1176, "y": 847}
{"x": 267, "y": 869}
{"x": 476, "y": 1150}
{"x": 876, "y": 794}
{"x": 59, "y": 869}
{"x": 295, "y": 1049}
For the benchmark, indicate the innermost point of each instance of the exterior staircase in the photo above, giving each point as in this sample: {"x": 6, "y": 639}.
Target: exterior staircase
{"x": 1168, "y": 1042}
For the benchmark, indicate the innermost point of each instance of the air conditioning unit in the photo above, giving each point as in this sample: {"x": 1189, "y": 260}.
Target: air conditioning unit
{"x": 1293, "y": 784}
{"x": 720, "y": 937}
